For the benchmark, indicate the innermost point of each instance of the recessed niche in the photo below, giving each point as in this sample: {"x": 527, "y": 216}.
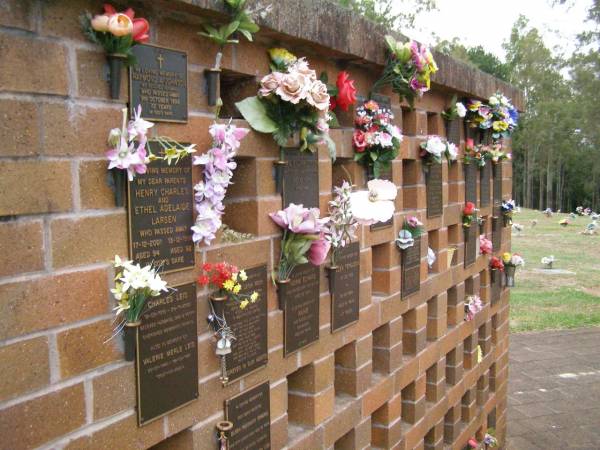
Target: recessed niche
{"x": 235, "y": 86}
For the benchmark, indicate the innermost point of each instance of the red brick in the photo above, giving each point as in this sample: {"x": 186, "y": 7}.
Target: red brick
{"x": 53, "y": 415}
{"x": 26, "y": 367}
{"x": 23, "y": 247}
{"x": 114, "y": 391}
{"x": 44, "y": 186}
{"x": 19, "y": 127}
{"x": 92, "y": 340}
{"x": 94, "y": 191}
{"x": 23, "y": 69}
{"x": 75, "y": 241}
{"x": 50, "y": 301}
{"x": 65, "y": 124}
{"x": 17, "y": 14}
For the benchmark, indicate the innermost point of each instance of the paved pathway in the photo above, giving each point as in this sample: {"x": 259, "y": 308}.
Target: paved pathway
{"x": 554, "y": 390}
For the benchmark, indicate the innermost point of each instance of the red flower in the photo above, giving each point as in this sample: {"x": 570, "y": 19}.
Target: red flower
{"x": 332, "y": 103}
{"x": 359, "y": 141}
{"x": 203, "y": 280}
{"x": 496, "y": 263}
{"x": 469, "y": 209}
{"x": 469, "y": 143}
{"x": 346, "y": 95}
{"x": 140, "y": 30}
{"x": 207, "y": 267}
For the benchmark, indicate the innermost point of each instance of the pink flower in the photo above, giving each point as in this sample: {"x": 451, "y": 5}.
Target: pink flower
{"x": 319, "y": 250}
{"x": 413, "y": 222}
{"x": 485, "y": 245}
{"x": 298, "y": 219}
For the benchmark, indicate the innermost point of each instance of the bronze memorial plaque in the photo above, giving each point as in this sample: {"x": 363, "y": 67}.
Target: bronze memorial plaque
{"x": 471, "y": 244}
{"x": 301, "y": 178}
{"x": 485, "y": 178}
{"x": 497, "y": 280}
{"x": 301, "y": 308}
{"x": 250, "y": 413}
{"x": 167, "y": 353}
{"x": 411, "y": 269}
{"x": 384, "y": 174}
{"x": 346, "y": 287}
{"x": 158, "y": 82}
{"x": 471, "y": 183}
{"x": 453, "y": 131}
{"x": 435, "y": 202}
{"x": 496, "y": 233}
{"x": 497, "y": 189}
{"x": 161, "y": 204}
{"x": 249, "y": 326}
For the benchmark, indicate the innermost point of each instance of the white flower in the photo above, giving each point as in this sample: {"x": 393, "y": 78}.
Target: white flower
{"x": 517, "y": 260}
{"x": 548, "y": 259}
{"x": 395, "y": 132}
{"x": 430, "y": 257}
{"x": 376, "y": 204}
{"x": 435, "y": 145}
{"x": 460, "y": 109}
{"x": 452, "y": 151}
{"x": 494, "y": 100}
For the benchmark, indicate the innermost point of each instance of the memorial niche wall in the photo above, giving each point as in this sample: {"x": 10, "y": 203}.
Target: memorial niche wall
{"x": 84, "y": 229}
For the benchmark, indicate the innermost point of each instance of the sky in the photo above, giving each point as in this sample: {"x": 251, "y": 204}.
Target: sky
{"x": 489, "y": 22}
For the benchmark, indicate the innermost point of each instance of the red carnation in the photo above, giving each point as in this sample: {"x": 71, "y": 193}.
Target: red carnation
{"x": 469, "y": 209}
{"x": 359, "y": 141}
{"x": 496, "y": 263}
{"x": 346, "y": 95}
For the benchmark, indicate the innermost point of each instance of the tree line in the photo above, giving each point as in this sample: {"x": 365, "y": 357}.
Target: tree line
{"x": 556, "y": 147}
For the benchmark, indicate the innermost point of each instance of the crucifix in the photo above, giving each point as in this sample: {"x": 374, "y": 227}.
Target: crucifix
{"x": 160, "y": 60}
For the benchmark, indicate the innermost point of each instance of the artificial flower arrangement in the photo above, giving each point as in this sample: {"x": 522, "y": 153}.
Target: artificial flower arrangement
{"x": 219, "y": 164}
{"x": 376, "y": 139}
{"x": 303, "y": 239}
{"x": 134, "y": 285}
{"x": 496, "y": 264}
{"x": 497, "y": 115}
{"x": 511, "y": 263}
{"x": 507, "y": 209}
{"x": 485, "y": 245}
{"x": 504, "y": 116}
{"x": 547, "y": 261}
{"x": 340, "y": 230}
{"x": 117, "y": 32}
{"x": 469, "y": 214}
{"x": 473, "y": 305}
{"x": 412, "y": 228}
{"x": 129, "y": 154}
{"x": 456, "y": 110}
{"x": 435, "y": 148}
{"x": 342, "y": 95}
{"x": 225, "y": 281}
{"x": 496, "y": 153}
{"x": 476, "y": 154}
{"x": 489, "y": 441}
{"x": 408, "y": 69}
{"x": 376, "y": 204}
{"x": 242, "y": 22}
{"x": 291, "y": 101}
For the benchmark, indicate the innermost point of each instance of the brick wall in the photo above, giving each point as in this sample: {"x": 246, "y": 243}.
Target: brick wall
{"x": 405, "y": 376}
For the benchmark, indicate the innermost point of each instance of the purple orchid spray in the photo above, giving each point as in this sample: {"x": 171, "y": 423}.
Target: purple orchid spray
{"x": 219, "y": 165}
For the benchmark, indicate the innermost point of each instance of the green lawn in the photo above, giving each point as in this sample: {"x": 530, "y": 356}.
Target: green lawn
{"x": 542, "y": 300}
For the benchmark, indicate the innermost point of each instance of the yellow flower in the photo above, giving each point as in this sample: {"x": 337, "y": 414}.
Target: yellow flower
{"x": 243, "y": 304}
{"x": 228, "y": 285}
{"x": 474, "y": 106}
{"x": 243, "y": 275}
{"x": 506, "y": 257}
{"x": 479, "y": 354}
{"x": 500, "y": 125}
{"x": 281, "y": 55}
{"x": 237, "y": 288}
{"x": 254, "y": 296}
